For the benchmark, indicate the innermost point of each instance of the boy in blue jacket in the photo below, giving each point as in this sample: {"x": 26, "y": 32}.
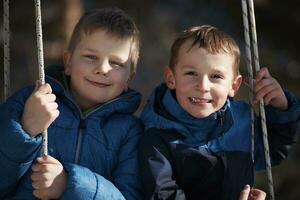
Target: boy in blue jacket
{"x": 197, "y": 140}
{"x": 88, "y": 110}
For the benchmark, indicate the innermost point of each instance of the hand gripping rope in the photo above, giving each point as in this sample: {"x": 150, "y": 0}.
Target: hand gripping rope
{"x": 40, "y": 56}
{"x": 39, "y": 37}
{"x": 250, "y": 7}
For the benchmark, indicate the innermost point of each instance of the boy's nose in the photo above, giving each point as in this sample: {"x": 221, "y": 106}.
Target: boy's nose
{"x": 203, "y": 84}
{"x": 103, "y": 68}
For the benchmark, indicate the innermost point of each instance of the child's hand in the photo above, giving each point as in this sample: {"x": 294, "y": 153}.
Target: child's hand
{"x": 40, "y": 110}
{"x": 49, "y": 178}
{"x": 266, "y": 87}
{"x": 252, "y": 194}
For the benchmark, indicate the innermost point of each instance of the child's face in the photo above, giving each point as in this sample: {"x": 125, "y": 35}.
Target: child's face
{"x": 98, "y": 68}
{"x": 202, "y": 81}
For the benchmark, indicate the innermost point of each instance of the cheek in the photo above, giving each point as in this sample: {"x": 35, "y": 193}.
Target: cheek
{"x": 181, "y": 95}
{"x": 82, "y": 69}
{"x": 221, "y": 92}
{"x": 191, "y": 83}
{"x": 120, "y": 77}
{"x": 184, "y": 88}
{"x": 184, "y": 84}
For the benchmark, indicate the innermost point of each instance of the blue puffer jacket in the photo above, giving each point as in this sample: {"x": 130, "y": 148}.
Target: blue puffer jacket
{"x": 183, "y": 157}
{"x": 98, "y": 150}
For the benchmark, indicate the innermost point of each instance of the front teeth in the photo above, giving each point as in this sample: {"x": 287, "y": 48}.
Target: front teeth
{"x": 199, "y": 100}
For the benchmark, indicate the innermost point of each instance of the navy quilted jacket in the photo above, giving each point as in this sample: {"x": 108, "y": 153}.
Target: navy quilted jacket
{"x": 98, "y": 150}
{"x": 183, "y": 157}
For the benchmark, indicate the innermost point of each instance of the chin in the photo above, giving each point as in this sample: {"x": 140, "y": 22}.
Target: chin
{"x": 200, "y": 115}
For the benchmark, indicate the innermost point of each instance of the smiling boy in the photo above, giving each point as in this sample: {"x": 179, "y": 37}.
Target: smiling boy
{"x": 99, "y": 68}
{"x": 197, "y": 140}
{"x": 88, "y": 109}
{"x": 203, "y": 81}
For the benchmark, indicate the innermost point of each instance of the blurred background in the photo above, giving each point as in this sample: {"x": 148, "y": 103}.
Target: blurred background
{"x": 278, "y": 32}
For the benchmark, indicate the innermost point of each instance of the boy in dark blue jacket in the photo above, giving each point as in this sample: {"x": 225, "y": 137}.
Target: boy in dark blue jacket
{"x": 197, "y": 142}
{"x": 88, "y": 110}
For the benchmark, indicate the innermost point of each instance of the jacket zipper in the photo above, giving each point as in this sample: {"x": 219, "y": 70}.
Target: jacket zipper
{"x": 221, "y": 113}
{"x": 82, "y": 127}
{"x": 79, "y": 140}
{"x": 82, "y": 121}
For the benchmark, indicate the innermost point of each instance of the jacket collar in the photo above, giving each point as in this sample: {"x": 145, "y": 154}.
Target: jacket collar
{"x": 163, "y": 111}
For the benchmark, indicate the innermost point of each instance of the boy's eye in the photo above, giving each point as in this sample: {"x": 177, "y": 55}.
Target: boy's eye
{"x": 116, "y": 64}
{"x": 191, "y": 73}
{"x": 217, "y": 76}
{"x": 90, "y": 57}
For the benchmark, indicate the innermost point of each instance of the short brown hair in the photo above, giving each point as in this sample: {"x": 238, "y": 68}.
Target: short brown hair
{"x": 207, "y": 37}
{"x": 113, "y": 20}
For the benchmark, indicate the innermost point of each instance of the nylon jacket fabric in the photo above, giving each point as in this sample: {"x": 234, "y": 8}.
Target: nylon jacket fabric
{"x": 183, "y": 157}
{"x": 105, "y": 139}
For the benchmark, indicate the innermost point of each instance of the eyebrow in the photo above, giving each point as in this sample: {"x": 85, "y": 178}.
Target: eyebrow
{"x": 188, "y": 66}
{"x": 116, "y": 58}
{"x": 218, "y": 71}
{"x": 88, "y": 49}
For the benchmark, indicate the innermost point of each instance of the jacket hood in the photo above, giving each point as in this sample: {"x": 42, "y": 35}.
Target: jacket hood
{"x": 162, "y": 111}
{"x": 126, "y": 103}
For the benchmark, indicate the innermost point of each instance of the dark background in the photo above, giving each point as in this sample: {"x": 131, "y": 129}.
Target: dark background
{"x": 278, "y": 31}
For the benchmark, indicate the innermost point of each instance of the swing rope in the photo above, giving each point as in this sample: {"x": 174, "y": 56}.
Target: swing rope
{"x": 250, "y": 72}
{"x": 245, "y": 8}
{"x": 6, "y": 52}
{"x": 39, "y": 38}
{"x": 6, "y": 38}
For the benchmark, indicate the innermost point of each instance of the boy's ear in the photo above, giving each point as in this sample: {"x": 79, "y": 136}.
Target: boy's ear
{"x": 131, "y": 77}
{"x": 235, "y": 85}
{"x": 66, "y": 58}
{"x": 169, "y": 77}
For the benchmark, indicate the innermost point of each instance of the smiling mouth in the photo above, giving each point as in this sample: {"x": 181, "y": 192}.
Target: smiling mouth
{"x": 196, "y": 100}
{"x": 99, "y": 85}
